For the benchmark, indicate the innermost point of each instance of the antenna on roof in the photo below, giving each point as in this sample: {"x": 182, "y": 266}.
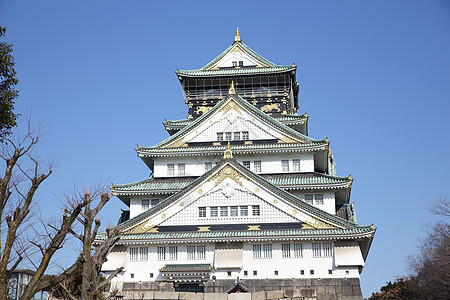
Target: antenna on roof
{"x": 237, "y": 37}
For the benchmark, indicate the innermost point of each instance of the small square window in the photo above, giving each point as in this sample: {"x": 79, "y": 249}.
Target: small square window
{"x": 151, "y": 275}
{"x": 275, "y": 273}
{"x": 237, "y": 136}
{"x": 296, "y": 165}
{"x": 220, "y": 136}
{"x": 227, "y": 136}
{"x": 257, "y": 166}
{"x": 309, "y": 198}
{"x": 311, "y": 272}
{"x": 347, "y": 272}
{"x": 233, "y": 211}
{"x": 302, "y": 272}
{"x": 246, "y": 164}
{"x": 208, "y": 166}
{"x": 202, "y": 212}
{"x": 170, "y": 169}
{"x": 255, "y": 210}
{"x": 132, "y": 275}
{"x": 319, "y": 199}
{"x": 145, "y": 204}
{"x": 255, "y": 273}
{"x": 285, "y": 165}
{"x": 154, "y": 202}
{"x": 245, "y": 135}
{"x": 244, "y": 211}
{"x": 181, "y": 169}
{"x": 235, "y": 63}
{"x": 224, "y": 211}
{"x": 229, "y": 273}
{"x": 330, "y": 272}
{"x": 245, "y": 273}
{"x": 214, "y": 212}
{"x": 241, "y": 63}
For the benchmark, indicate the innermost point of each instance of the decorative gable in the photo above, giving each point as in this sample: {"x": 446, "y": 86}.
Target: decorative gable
{"x": 237, "y": 56}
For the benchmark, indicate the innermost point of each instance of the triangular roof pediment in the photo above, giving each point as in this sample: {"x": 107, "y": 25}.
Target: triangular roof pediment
{"x": 226, "y": 185}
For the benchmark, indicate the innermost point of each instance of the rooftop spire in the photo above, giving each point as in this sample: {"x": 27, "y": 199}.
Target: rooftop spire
{"x": 228, "y": 154}
{"x": 232, "y": 91}
{"x": 237, "y": 37}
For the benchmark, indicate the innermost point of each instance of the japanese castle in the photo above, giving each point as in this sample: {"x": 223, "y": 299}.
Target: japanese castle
{"x": 239, "y": 192}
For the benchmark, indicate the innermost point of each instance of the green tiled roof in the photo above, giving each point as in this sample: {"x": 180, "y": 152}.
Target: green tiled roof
{"x": 187, "y": 267}
{"x": 232, "y": 71}
{"x": 252, "y": 176}
{"x": 257, "y": 112}
{"x": 285, "y": 180}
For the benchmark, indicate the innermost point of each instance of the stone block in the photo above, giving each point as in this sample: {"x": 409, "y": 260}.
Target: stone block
{"x": 338, "y": 289}
{"x": 302, "y": 283}
{"x": 274, "y": 294}
{"x": 347, "y": 290}
{"x": 356, "y": 290}
{"x": 288, "y": 293}
{"x": 215, "y": 296}
{"x": 148, "y": 295}
{"x": 308, "y": 293}
{"x": 127, "y": 286}
{"x": 190, "y": 296}
{"x": 166, "y": 295}
{"x": 258, "y": 296}
{"x": 240, "y": 296}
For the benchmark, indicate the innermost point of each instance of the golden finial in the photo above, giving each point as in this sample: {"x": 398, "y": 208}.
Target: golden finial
{"x": 371, "y": 226}
{"x": 349, "y": 177}
{"x": 139, "y": 147}
{"x": 326, "y": 139}
{"x": 232, "y": 91}
{"x": 237, "y": 37}
{"x": 228, "y": 154}
{"x": 293, "y": 64}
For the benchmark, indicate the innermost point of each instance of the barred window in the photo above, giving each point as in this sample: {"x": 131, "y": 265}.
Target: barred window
{"x": 202, "y": 212}
{"x": 285, "y": 165}
{"x": 143, "y": 253}
{"x": 246, "y": 164}
{"x": 224, "y": 211}
{"x": 145, "y": 204}
{"x": 255, "y": 210}
{"x": 208, "y": 166}
{"x": 286, "y": 250}
{"x": 244, "y": 211}
{"x": 227, "y": 136}
{"x": 201, "y": 252}
{"x": 245, "y": 135}
{"x": 298, "y": 250}
{"x": 317, "y": 251}
{"x": 267, "y": 250}
{"x": 309, "y": 198}
{"x": 327, "y": 250}
{"x": 191, "y": 252}
{"x": 233, "y": 211}
{"x": 257, "y": 251}
{"x": 134, "y": 253}
{"x": 170, "y": 169}
{"x": 181, "y": 169}
{"x": 237, "y": 136}
{"x": 296, "y": 164}
{"x": 213, "y": 211}
{"x": 196, "y": 252}
{"x": 154, "y": 202}
{"x": 220, "y": 136}
{"x": 257, "y": 166}
{"x": 173, "y": 252}
{"x": 319, "y": 199}
{"x": 161, "y": 253}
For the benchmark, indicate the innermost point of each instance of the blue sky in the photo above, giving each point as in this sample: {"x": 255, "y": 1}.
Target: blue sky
{"x": 374, "y": 77}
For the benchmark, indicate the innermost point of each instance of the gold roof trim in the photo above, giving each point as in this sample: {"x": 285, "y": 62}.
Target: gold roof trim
{"x": 237, "y": 37}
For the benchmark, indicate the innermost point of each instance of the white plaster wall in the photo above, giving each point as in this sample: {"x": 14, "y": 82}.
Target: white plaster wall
{"x": 136, "y": 203}
{"x": 236, "y": 54}
{"x": 329, "y": 199}
{"x": 270, "y": 163}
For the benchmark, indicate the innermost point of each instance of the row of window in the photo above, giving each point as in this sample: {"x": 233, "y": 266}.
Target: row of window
{"x": 233, "y": 136}
{"x": 198, "y": 252}
{"x": 275, "y": 272}
{"x": 181, "y": 169}
{"x": 168, "y": 253}
{"x": 285, "y": 165}
{"x": 314, "y": 198}
{"x": 145, "y": 203}
{"x": 225, "y": 211}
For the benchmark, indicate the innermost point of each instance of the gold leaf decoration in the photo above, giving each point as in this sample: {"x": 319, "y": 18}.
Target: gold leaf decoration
{"x": 227, "y": 172}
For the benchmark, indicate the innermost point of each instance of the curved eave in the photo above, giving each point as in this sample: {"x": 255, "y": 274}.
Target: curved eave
{"x": 234, "y": 72}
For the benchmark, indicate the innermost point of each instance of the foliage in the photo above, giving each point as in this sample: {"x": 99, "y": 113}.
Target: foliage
{"x": 402, "y": 288}
{"x": 8, "y": 81}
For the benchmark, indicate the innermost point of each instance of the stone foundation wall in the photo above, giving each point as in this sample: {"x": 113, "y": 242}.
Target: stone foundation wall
{"x": 286, "y": 289}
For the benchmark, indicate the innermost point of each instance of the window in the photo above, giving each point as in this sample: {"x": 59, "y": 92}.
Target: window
{"x": 202, "y": 212}
{"x": 255, "y": 210}
{"x": 181, "y": 169}
{"x": 327, "y": 250}
{"x": 257, "y": 166}
{"x": 237, "y": 136}
{"x": 173, "y": 252}
{"x": 286, "y": 250}
{"x": 245, "y": 273}
{"x": 311, "y": 272}
{"x": 275, "y": 273}
{"x": 245, "y": 135}
{"x": 244, "y": 211}
{"x": 143, "y": 253}
{"x": 145, "y": 204}
{"x": 131, "y": 275}
{"x": 347, "y": 272}
{"x": 161, "y": 253}
{"x": 170, "y": 169}
{"x": 241, "y": 63}
{"x": 309, "y": 198}
{"x": 224, "y": 211}
{"x": 227, "y": 136}
{"x": 233, "y": 211}
{"x": 151, "y": 275}
{"x": 229, "y": 273}
{"x": 191, "y": 252}
{"x": 330, "y": 272}
{"x": 298, "y": 250}
{"x": 235, "y": 63}
{"x": 317, "y": 251}
{"x": 296, "y": 165}
{"x": 267, "y": 250}
{"x": 154, "y": 202}
{"x": 196, "y": 252}
{"x": 220, "y": 136}
{"x": 213, "y": 212}
{"x": 201, "y": 252}
{"x": 302, "y": 272}
{"x": 319, "y": 199}
{"x": 134, "y": 253}
{"x": 257, "y": 251}
{"x": 285, "y": 165}
{"x": 246, "y": 164}
{"x": 208, "y": 166}
{"x": 255, "y": 273}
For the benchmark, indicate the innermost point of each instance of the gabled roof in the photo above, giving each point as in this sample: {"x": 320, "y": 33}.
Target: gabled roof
{"x": 338, "y": 223}
{"x": 262, "y": 65}
{"x": 257, "y": 113}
